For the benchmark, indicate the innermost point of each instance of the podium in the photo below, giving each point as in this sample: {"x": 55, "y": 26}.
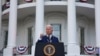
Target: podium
{"x": 49, "y": 49}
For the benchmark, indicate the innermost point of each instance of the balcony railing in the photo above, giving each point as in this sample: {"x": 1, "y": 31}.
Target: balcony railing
{"x": 7, "y": 4}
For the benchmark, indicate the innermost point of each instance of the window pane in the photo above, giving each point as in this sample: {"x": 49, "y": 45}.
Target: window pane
{"x": 30, "y": 39}
{"x": 6, "y": 39}
{"x": 82, "y": 34}
{"x": 56, "y": 27}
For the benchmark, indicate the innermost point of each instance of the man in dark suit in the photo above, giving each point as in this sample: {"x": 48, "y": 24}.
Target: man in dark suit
{"x": 48, "y": 37}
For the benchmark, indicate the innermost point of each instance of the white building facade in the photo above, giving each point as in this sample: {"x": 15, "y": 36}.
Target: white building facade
{"x": 75, "y": 23}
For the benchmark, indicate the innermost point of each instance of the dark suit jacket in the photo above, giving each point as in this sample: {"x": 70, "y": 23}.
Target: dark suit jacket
{"x": 45, "y": 39}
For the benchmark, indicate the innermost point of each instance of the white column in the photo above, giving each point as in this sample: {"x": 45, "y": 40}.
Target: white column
{"x": 1, "y": 25}
{"x": 12, "y": 24}
{"x": 39, "y": 22}
{"x": 97, "y": 22}
{"x": 73, "y": 48}
{"x": 0, "y": 17}
{"x": 12, "y": 28}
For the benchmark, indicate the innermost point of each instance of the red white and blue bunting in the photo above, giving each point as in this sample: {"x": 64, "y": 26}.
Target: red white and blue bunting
{"x": 7, "y": 4}
{"x": 90, "y": 49}
{"x": 28, "y": 0}
{"x": 20, "y": 49}
{"x": 83, "y": 0}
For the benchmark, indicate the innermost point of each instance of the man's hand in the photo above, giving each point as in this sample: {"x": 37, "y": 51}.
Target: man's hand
{"x": 41, "y": 35}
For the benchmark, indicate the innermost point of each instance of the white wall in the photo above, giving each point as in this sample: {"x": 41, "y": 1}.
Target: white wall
{"x": 3, "y": 2}
{"x": 92, "y": 35}
{"x": 82, "y": 21}
{"x": 89, "y": 26}
{"x": 22, "y": 36}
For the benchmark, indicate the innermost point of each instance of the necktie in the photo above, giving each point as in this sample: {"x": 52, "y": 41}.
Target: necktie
{"x": 49, "y": 38}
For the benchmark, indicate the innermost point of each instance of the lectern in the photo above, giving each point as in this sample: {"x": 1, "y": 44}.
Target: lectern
{"x": 49, "y": 49}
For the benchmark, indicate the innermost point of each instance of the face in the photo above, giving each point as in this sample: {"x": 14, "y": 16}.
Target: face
{"x": 49, "y": 30}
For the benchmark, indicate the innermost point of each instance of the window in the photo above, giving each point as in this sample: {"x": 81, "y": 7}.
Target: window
{"x": 57, "y": 30}
{"x": 30, "y": 39}
{"x": 6, "y": 39}
{"x": 82, "y": 34}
